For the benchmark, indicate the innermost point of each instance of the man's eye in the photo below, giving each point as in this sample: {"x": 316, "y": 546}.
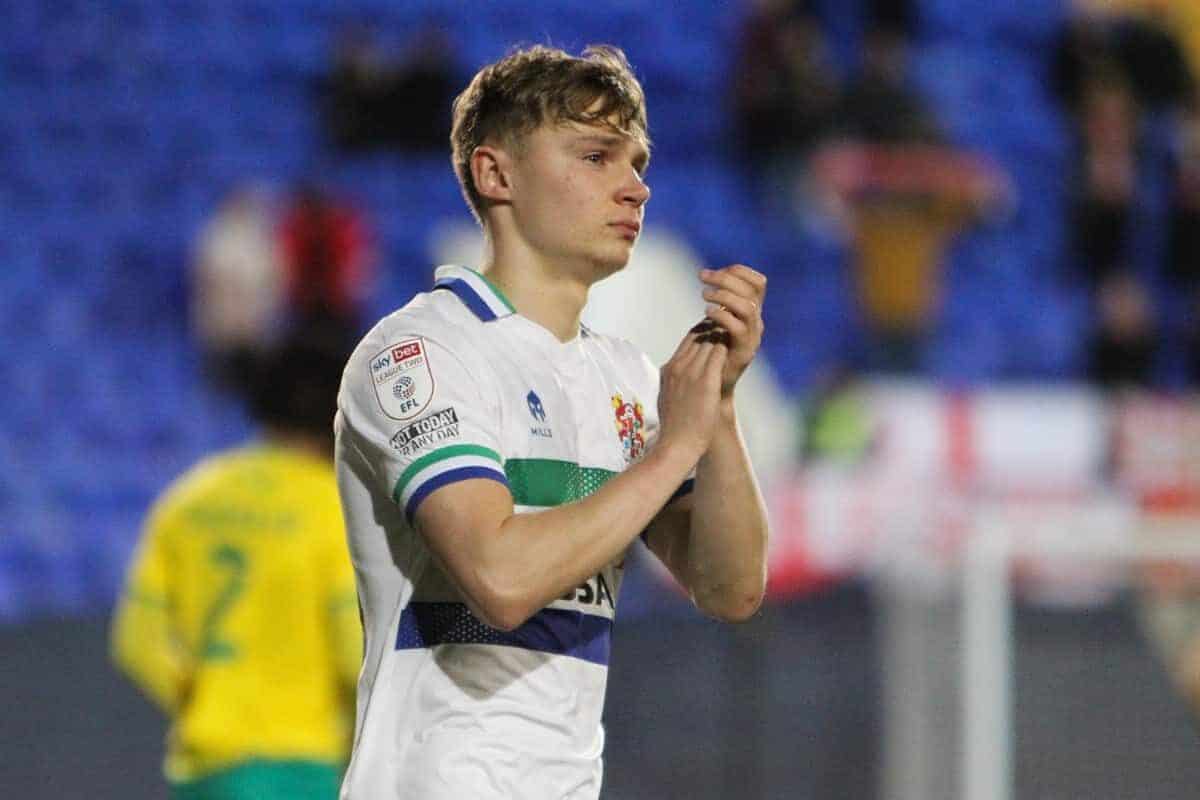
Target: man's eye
{"x": 595, "y": 158}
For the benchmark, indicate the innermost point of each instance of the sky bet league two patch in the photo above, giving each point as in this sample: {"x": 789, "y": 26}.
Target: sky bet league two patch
{"x": 402, "y": 379}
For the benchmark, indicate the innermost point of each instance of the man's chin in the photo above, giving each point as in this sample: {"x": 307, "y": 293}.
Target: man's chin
{"x": 611, "y": 264}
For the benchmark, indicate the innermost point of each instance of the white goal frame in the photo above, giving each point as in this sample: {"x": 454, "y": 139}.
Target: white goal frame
{"x": 923, "y": 741}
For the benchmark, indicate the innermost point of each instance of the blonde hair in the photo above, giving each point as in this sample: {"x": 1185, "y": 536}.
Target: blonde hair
{"x": 512, "y": 97}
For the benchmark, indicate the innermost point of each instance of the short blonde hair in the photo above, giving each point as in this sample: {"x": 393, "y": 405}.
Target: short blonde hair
{"x": 512, "y": 97}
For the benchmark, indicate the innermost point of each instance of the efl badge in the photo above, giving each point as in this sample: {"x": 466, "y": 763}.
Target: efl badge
{"x": 630, "y": 422}
{"x": 402, "y": 378}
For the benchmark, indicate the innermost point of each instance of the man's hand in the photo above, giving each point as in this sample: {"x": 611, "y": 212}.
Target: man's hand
{"x": 690, "y": 394}
{"x": 735, "y": 296}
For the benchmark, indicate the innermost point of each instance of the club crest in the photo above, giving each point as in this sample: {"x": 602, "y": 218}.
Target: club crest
{"x": 629, "y": 421}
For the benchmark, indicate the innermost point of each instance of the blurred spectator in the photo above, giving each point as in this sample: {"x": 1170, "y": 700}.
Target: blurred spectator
{"x": 1133, "y": 38}
{"x": 239, "y": 617}
{"x": 1107, "y": 175}
{"x": 237, "y": 288}
{"x": 1113, "y": 72}
{"x": 370, "y": 96}
{"x": 900, "y": 192}
{"x": 879, "y": 105}
{"x": 327, "y": 262}
{"x": 785, "y": 93}
{"x": 900, "y": 236}
{"x": 1183, "y": 246}
{"x": 1183, "y": 236}
{"x": 1125, "y": 342}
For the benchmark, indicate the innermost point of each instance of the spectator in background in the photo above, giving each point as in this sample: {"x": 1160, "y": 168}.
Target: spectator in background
{"x": 1107, "y": 175}
{"x": 785, "y": 94}
{"x": 370, "y": 94}
{"x": 1183, "y": 236}
{"x": 1125, "y": 336}
{"x": 327, "y": 262}
{"x": 1136, "y": 38}
{"x": 879, "y": 104}
{"x": 1112, "y": 72}
{"x": 239, "y": 617}
{"x": 900, "y": 192}
{"x": 236, "y": 288}
{"x": 1125, "y": 342}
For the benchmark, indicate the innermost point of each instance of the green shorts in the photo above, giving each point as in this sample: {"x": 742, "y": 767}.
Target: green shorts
{"x": 264, "y": 780}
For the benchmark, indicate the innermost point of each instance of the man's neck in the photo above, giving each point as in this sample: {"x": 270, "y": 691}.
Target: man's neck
{"x": 542, "y": 292}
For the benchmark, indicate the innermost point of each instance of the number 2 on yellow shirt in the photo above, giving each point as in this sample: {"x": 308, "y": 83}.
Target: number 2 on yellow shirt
{"x": 231, "y": 563}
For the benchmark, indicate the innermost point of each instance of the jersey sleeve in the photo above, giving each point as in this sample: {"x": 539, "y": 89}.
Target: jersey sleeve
{"x": 422, "y": 418}
{"x": 142, "y": 641}
{"x": 345, "y": 623}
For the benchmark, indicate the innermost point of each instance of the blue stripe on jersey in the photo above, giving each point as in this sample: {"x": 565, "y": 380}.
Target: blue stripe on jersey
{"x": 446, "y": 478}
{"x": 552, "y": 630}
{"x": 471, "y": 299}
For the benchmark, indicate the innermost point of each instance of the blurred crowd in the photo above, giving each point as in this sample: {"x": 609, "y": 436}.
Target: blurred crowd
{"x": 270, "y": 268}
{"x": 1125, "y": 78}
{"x": 861, "y": 149}
{"x": 858, "y": 145}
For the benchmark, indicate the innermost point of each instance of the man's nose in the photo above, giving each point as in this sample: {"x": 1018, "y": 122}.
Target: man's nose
{"x": 635, "y": 191}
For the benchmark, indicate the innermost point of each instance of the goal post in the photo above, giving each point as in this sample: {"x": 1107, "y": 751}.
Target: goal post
{"x": 949, "y": 640}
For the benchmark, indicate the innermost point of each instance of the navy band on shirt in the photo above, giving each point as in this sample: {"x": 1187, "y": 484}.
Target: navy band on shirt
{"x": 552, "y": 630}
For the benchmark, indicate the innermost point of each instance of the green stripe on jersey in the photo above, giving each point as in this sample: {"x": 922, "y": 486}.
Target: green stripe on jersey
{"x": 546, "y": 482}
{"x": 453, "y": 451}
{"x": 495, "y": 289}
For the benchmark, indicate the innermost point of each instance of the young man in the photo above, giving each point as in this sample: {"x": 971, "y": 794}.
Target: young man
{"x": 496, "y": 459}
{"x": 239, "y": 617}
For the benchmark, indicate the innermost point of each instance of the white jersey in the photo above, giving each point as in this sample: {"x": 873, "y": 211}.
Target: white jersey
{"x": 456, "y": 386}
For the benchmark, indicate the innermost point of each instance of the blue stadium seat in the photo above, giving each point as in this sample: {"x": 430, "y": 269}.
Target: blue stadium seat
{"x": 125, "y": 123}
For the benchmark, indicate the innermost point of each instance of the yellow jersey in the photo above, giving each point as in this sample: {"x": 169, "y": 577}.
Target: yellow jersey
{"x": 239, "y": 615}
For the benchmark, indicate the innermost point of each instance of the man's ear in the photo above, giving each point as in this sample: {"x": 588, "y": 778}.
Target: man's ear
{"x": 491, "y": 169}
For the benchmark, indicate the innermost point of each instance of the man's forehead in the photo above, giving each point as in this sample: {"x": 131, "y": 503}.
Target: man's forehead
{"x": 607, "y": 134}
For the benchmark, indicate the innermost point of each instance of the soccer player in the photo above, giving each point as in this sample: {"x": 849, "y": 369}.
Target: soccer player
{"x": 239, "y": 617}
{"x": 496, "y": 458}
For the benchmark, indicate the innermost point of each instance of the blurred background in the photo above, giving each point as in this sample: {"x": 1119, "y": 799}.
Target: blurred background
{"x": 975, "y": 419}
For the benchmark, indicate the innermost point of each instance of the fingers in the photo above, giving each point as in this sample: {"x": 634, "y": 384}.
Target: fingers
{"x": 743, "y": 308}
{"x": 739, "y": 279}
{"x": 728, "y": 320}
{"x": 714, "y": 367}
{"x": 707, "y": 330}
{"x": 735, "y": 294}
{"x": 684, "y": 351}
{"x": 687, "y": 354}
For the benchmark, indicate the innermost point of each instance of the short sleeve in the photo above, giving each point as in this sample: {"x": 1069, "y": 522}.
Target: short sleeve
{"x": 421, "y": 417}
{"x": 345, "y": 623}
{"x": 142, "y": 641}
{"x": 147, "y": 579}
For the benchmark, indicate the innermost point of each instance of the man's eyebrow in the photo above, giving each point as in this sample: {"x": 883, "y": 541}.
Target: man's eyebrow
{"x": 641, "y": 156}
{"x": 606, "y": 139}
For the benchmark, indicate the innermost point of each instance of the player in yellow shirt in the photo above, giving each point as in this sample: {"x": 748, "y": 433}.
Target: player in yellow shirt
{"x": 239, "y": 616}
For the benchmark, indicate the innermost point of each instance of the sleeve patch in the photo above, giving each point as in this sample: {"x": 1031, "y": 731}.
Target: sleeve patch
{"x": 403, "y": 379}
{"x": 433, "y": 429}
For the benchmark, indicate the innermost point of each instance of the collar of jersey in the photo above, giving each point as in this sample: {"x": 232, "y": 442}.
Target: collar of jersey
{"x": 475, "y": 291}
